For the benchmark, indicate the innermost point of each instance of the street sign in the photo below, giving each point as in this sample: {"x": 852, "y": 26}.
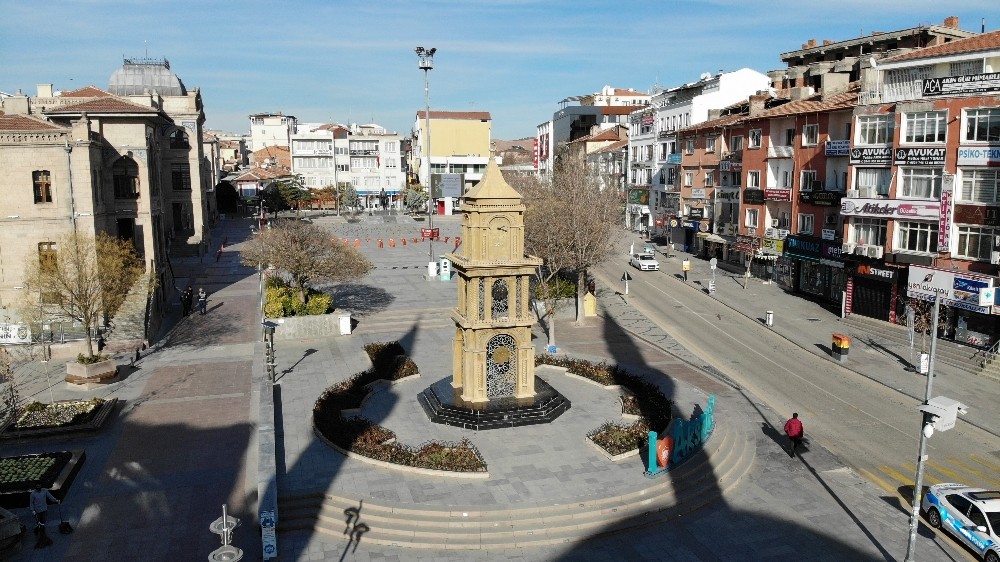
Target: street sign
{"x": 430, "y": 232}
{"x": 713, "y": 262}
{"x": 626, "y": 277}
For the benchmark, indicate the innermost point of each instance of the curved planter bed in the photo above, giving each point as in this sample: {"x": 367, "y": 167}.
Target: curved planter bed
{"x": 96, "y": 421}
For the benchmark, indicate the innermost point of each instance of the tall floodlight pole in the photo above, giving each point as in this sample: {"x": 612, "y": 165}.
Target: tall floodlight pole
{"x": 425, "y": 62}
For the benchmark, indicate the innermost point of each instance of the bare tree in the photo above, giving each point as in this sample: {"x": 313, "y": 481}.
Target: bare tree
{"x": 84, "y": 277}
{"x": 10, "y": 398}
{"x": 570, "y": 220}
{"x": 308, "y": 253}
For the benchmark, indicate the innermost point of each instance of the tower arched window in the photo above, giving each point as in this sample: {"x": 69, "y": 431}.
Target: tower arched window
{"x": 179, "y": 139}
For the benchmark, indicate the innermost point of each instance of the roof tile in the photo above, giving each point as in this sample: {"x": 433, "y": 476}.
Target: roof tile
{"x": 16, "y": 122}
{"x": 981, "y": 42}
{"x": 109, "y": 104}
{"x": 86, "y": 92}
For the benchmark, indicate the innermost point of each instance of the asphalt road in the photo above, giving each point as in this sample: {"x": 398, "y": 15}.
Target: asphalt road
{"x": 867, "y": 425}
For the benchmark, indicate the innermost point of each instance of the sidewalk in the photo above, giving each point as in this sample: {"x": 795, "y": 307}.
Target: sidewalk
{"x": 809, "y": 325}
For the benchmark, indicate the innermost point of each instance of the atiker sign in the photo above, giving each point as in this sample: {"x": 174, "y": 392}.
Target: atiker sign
{"x": 889, "y": 209}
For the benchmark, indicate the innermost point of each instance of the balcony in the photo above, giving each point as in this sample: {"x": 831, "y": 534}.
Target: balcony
{"x": 733, "y": 156}
{"x": 364, "y": 152}
{"x": 780, "y": 151}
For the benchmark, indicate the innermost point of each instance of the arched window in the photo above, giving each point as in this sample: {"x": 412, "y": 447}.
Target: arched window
{"x": 500, "y": 304}
{"x": 179, "y": 139}
{"x": 126, "y": 178}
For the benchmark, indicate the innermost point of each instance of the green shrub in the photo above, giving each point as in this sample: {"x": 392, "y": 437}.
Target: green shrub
{"x": 558, "y": 288}
{"x": 34, "y": 407}
{"x": 84, "y": 360}
{"x": 318, "y": 303}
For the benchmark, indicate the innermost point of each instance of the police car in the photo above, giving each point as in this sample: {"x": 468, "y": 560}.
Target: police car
{"x": 971, "y": 514}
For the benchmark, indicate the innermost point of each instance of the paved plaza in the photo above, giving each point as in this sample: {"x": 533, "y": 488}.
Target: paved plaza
{"x": 183, "y": 442}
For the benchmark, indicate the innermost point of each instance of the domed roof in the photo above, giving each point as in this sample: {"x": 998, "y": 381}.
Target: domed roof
{"x": 137, "y": 76}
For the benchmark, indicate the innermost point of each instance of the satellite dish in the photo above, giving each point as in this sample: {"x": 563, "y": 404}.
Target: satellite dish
{"x": 873, "y": 62}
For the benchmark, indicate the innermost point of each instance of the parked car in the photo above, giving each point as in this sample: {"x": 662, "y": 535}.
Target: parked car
{"x": 970, "y": 514}
{"x": 645, "y": 262}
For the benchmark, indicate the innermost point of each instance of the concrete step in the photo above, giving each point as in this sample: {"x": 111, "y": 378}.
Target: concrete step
{"x": 954, "y": 354}
{"x": 726, "y": 458}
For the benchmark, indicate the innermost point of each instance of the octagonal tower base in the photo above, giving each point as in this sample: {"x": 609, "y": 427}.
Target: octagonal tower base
{"x": 443, "y": 404}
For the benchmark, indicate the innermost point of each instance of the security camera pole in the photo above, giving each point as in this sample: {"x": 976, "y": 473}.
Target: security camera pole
{"x": 922, "y": 455}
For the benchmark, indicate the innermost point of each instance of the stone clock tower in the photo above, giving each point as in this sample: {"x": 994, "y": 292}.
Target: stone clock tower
{"x": 494, "y": 357}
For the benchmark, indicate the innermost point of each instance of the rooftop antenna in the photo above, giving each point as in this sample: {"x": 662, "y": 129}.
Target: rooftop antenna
{"x": 982, "y": 28}
{"x": 146, "y": 46}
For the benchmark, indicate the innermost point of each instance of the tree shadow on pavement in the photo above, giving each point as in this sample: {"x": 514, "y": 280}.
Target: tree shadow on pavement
{"x": 360, "y": 299}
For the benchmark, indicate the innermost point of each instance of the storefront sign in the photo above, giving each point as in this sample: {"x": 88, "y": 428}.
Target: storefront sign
{"x": 674, "y": 158}
{"x": 872, "y": 272}
{"x": 828, "y": 234}
{"x": 959, "y": 289}
{"x": 747, "y": 244}
{"x": 776, "y": 233}
{"x": 920, "y": 156}
{"x": 803, "y": 247}
{"x": 967, "y": 85}
{"x": 837, "y": 148}
{"x": 821, "y": 198}
{"x": 871, "y": 155}
{"x": 732, "y": 195}
{"x": 831, "y": 250}
{"x": 753, "y": 196}
{"x": 891, "y": 209}
{"x": 696, "y": 213}
{"x": 979, "y": 155}
{"x": 698, "y": 193}
{"x": 777, "y": 194}
{"x": 534, "y": 153}
{"x": 772, "y": 246}
{"x": 640, "y": 196}
{"x": 944, "y": 219}
{"x": 977, "y": 214}
{"x": 692, "y": 225}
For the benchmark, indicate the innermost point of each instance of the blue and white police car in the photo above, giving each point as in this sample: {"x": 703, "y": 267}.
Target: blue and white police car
{"x": 971, "y": 514}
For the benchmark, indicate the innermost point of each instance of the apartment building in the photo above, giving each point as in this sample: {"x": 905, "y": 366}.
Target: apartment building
{"x": 925, "y": 192}
{"x": 319, "y": 154}
{"x": 377, "y": 168}
{"x": 654, "y": 192}
{"x": 578, "y": 115}
{"x": 271, "y": 129}
{"x": 459, "y": 152}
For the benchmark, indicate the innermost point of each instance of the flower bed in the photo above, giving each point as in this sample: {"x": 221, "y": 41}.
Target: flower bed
{"x": 58, "y": 414}
{"x": 365, "y": 438}
{"x": 20, "y": 474}
{"x": 59, "y": 418}
{"x": 645, "y": 400}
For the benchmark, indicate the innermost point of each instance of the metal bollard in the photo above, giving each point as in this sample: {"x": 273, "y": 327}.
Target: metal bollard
{"x": 769, "y": 318}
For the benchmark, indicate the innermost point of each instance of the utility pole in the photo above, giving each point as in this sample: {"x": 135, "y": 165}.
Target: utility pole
{"x": 425, "y": 62}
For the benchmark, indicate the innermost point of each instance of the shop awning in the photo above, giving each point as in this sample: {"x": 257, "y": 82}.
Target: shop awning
{"x": 712, "y": 237}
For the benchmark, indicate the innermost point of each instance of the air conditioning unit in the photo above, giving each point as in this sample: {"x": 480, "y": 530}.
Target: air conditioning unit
{"x": 995, "y": 258}
{"x": 861, "y": 250}
{"x": 848, "y": 248}
{"x": 853, "y": 193}
{"x": 868, "y": 192}
{"x": 774, "y": 223}
{"x": 874, "y": 252}
{"x": 830, "y": 219}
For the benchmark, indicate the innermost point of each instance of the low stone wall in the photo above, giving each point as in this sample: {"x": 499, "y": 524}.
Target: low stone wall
{"x": 305, "y": 327}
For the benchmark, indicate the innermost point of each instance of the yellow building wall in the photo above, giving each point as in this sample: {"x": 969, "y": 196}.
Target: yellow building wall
{"x": 451, "y": 137}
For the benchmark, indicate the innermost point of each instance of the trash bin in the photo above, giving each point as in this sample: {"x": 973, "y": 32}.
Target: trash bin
{"x": 769, "y": 318}
{"x": 841, "y": 346}
{"x": 345, "y": 324}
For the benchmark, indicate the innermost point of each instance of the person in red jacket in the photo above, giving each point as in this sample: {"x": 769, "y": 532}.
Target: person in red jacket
{"x": 793, "y": 429}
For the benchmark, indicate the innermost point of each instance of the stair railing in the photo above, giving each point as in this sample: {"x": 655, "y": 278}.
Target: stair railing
{"x": 990, "y": 355}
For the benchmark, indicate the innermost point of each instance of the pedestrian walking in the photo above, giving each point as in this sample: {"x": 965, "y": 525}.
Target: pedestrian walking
{"x": 202, "y": 301}
{"x": 39, "y": 501}
{"x": 189, "y": 298}
{"x": 794, "y": 431}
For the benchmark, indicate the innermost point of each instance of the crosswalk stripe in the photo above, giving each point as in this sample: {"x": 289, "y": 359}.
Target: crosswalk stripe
{"x": 989, "y": 465}
{"x": 881, "y": 483}
{"x": 988, "y": 477}
{"x": 946, "y": 471}
{"x": 896, "y": 475}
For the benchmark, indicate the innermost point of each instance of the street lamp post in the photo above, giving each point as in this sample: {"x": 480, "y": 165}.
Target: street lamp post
{"x": 425, "y": 62}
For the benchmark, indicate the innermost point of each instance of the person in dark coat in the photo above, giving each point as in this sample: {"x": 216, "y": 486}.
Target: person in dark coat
{"x": 187, "y": 300}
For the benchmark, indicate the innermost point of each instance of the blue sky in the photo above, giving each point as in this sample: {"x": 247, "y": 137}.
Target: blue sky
{"x": 353, "y": 61}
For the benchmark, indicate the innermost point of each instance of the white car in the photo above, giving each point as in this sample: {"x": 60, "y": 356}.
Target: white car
{"x": 645, "y": 262}
{"x": 971, "y": 514}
